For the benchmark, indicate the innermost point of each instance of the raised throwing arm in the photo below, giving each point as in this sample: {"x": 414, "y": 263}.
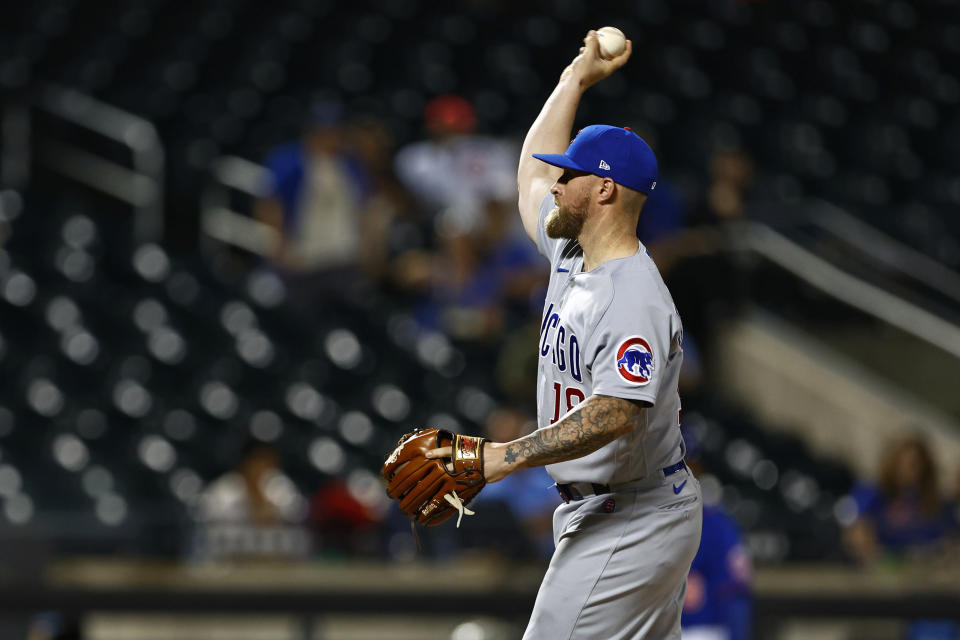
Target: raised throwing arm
{"x": 550, "y": 132}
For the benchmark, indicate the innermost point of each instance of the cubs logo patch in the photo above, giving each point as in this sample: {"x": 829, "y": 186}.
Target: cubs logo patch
{"x": 609, "y": 505}
{"x": 635, "y": 362}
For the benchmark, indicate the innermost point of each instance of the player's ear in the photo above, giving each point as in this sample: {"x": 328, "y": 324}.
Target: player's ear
{"x": 606, "y": 191}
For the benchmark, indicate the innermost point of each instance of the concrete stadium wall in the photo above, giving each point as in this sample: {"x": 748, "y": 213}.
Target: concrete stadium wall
{"x": 844, "y": 411}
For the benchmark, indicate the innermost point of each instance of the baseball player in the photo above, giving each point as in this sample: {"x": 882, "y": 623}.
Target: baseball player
{"x": 608, "y": 410}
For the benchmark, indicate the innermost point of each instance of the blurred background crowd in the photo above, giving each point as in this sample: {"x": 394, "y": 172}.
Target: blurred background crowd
{"x": 246, "y": 246}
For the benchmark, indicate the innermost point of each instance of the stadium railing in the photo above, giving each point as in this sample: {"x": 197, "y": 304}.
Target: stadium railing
{"x": 140, "y": 184}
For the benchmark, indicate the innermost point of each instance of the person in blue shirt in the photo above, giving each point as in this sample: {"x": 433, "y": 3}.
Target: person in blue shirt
{"x": 718, "y": 604}
{"x": 315, "y": 203}
{"x": 903, "y": 513}
{"x": 529, "y": 494}
{"x": 481, "y": 276}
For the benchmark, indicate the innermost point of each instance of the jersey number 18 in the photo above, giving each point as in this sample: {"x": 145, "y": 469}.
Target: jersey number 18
{"x": 573, "y": 395}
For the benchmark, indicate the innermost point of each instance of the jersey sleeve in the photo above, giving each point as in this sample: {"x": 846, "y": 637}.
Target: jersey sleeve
{"x": 630, "y": 347}
{"x": 549, "y": 248}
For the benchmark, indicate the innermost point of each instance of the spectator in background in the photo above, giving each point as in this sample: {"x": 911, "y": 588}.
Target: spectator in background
{"x": 454, "y": 172}
{"x": 466, "y": 184}
{"x": 253, "y": 509}
{"x": 398, "y": 236}
{"x": 681, "y": 237}
{"x": 316, "y": 201}
{"x": 528, "y": 494}
{"x": 725, "y": 200}
{"x": 341, "y": 523}
{"x": 480, "y": 276}
{"x": 717, "y": 604}
{"x": 461, "y": 299}
{"x": 706, "y": 282}
{"x": 904, "y": 512}
{"x": 256, "y": 492}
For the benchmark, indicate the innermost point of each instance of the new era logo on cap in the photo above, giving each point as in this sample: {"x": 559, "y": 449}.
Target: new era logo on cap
{"x": 618, "y": 152}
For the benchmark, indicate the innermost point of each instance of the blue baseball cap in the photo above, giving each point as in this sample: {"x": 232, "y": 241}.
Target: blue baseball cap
{"x": 609, "y": 152}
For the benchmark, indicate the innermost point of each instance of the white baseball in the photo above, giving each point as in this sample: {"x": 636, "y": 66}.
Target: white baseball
{"x": 612, "y": 42}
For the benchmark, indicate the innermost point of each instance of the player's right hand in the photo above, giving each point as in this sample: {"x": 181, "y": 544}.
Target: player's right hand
{"x": 588, "y": 68}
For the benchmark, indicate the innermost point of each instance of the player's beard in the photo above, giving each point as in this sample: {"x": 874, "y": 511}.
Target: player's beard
{"x": 565, "y": 222}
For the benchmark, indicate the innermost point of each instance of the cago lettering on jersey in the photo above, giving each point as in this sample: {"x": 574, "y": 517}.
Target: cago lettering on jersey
{"x": 560, "y": 344}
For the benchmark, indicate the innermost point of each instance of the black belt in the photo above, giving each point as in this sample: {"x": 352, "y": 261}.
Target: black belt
{"x": 581, "y": 490}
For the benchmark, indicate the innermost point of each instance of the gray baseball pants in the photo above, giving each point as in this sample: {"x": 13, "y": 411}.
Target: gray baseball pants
{"x": 619, "y": 571}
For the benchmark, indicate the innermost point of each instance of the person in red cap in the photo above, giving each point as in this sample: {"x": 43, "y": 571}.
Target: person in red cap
{"x": 455, "y": 171}
{"x": 449, "y": 115}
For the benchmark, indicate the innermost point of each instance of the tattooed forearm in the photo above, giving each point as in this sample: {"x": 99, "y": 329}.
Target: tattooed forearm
{"x": 595, "y": 422}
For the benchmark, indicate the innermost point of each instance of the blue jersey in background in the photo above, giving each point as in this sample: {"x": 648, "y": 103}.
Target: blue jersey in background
{"x": 718, "y": 587}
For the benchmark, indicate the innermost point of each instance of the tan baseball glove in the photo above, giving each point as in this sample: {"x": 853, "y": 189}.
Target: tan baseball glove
{"x": 431, "y": 490}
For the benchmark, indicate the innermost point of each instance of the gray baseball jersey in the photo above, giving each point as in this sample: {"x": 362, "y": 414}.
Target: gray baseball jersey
{"x": 621, "y": 561}
{"x": 611, "y": 331}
